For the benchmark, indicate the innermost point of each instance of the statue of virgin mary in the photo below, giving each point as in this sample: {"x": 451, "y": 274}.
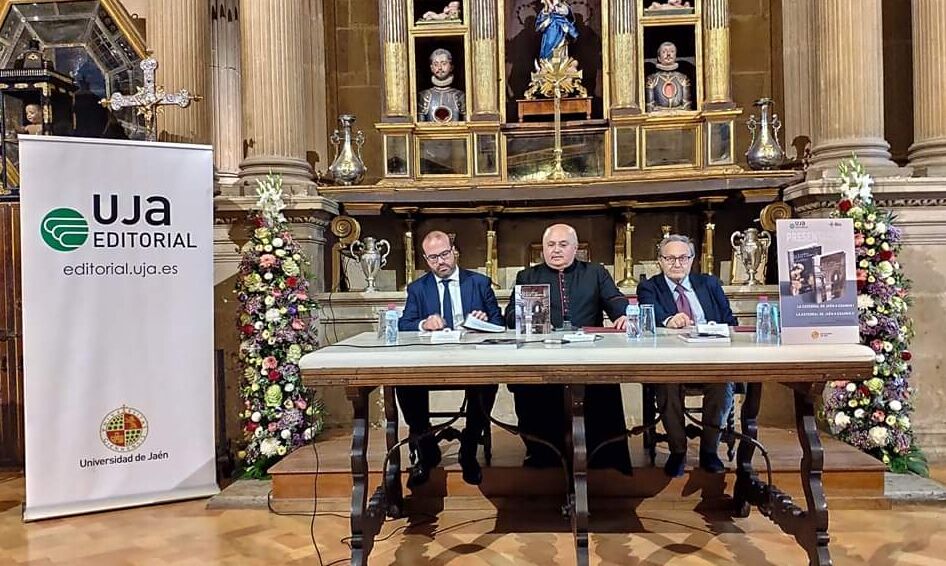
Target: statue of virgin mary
{"x": 556, "y": 23}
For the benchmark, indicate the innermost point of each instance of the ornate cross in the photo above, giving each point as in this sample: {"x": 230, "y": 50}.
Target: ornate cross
{"x": 149, "y": 98}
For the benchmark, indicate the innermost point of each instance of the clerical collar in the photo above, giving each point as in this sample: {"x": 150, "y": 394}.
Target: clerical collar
{"x": 673, "y": 284}
{"x": 442, "y": 83}
{"x": 671, "y": 67}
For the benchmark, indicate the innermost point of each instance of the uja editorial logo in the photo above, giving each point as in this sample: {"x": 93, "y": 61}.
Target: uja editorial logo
{"x": 64, "y": 229}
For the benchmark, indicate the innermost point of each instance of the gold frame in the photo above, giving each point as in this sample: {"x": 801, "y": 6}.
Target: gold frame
{"x": 697, "y": 146}
{"x": 709, "y": 143}
{"x": 114, "y": 8}
{"x": 434, "y": 28}
{"x": 637, "y": 146}
{"x": 462, "y": 135}
{"x": 695, "y": 20}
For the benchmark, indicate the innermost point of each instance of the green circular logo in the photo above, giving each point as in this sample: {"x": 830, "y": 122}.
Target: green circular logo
{"x": 64, "y": 229}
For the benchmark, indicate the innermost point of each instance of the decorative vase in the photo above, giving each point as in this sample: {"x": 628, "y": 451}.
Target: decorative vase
{"x": 370, "y": 256}
{"x": 348, "y": 168}
{"x": 764, "y": 152}
{"x": 751, "y": 248}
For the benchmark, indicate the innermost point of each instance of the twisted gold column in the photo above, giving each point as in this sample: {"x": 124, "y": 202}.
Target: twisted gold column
{"x": 716, "y": 54}
{"x": 485, "y": 68}
{"x": 624, "y": 57}
{"x": 396, "y": 65}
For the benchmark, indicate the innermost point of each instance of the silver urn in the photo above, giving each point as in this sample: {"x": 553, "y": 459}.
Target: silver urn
{"x": 751, "y": 248}
{"x": 764, "y": 152}
{"x": 372, "y": 255}
{"x": 348, "y": 167}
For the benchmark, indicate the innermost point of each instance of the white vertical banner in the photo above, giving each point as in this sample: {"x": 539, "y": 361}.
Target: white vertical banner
{"x": 117, "y": 323}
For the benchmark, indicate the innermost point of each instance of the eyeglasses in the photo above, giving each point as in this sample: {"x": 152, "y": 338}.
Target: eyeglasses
{"x": 680, "y": 259}
{"x": 442, "y": 256}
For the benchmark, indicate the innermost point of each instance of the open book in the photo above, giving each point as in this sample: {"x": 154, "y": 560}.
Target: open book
{"x": 473, "y": 323}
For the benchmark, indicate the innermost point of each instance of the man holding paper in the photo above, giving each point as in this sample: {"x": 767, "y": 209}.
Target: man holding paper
{"x": 682, "y": 299}
{"x": 442, "y": 299}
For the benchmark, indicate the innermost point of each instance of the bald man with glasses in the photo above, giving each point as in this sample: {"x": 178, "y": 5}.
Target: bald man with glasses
{"x": 442, "y": 299}
{"x": 682, "y": 299}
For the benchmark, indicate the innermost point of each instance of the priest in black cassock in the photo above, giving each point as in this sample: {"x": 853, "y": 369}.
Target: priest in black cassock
{"x": 580, "y": 293}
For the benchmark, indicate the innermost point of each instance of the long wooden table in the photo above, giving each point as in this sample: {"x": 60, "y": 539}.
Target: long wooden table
{"x": 361, "y": 364}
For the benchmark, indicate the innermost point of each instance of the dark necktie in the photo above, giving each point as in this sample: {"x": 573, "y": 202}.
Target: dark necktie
{"x": 683, "y": 304}
{"x": 447, "y": 309}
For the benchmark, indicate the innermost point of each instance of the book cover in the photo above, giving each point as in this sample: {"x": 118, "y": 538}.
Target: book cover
{"x": 802, "y": 271}
{"x": 533, "y": 312}
{"x": 830, "y": 276}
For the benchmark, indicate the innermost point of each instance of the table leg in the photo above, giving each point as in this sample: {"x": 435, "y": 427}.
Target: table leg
{"x": 361, "y": 537}
{"x": 745, "y": 474}
{"x": 394, "y": 496}
{"x": 575, "y": 397}
{"x": 813, "y": 535}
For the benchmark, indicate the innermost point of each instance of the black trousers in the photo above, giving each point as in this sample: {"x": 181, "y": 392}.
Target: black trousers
{"x": 541, "y": 412}
{"x": 415, "y": 405}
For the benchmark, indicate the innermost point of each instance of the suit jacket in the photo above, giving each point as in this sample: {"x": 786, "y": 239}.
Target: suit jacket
{"x": 589, "y": 287}
{"x": 709, "y": 291}
{"x": 423, "y": 299}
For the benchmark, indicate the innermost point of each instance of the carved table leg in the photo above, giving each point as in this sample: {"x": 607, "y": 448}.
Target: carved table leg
{"x": 394, "y": 497}
{"x": 575, "y": 397}
{"x": 745, "y": 474}
{"x": 813, "y": 535}
{"x": 361, "y": 536}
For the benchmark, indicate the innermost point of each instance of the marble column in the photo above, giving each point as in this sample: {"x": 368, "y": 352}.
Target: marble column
{"x": 849, "y": 97}
{"x": 179, "y": 37}
{"x": 485, "y": 70}
{"x": 624, "y": 60}
{"x": 227, "y": 103}
{"x": 928, "y": 152}
{"x": 798, "y": 62}
{"x": 716, "y": 55}
{"x": 396, "y": 64}
{"x": 273, "y": 55}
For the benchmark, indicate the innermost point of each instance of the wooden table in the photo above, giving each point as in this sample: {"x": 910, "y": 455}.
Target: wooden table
{"x": 361, "y": 364}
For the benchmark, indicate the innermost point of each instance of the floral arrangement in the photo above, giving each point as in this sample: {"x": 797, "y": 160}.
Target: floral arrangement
{"x": 874, "y": 415}
{"x": 278, "y": 325}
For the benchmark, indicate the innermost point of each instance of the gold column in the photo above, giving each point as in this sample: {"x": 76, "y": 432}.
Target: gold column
{"x": 396, "y": 65}
{"x": 707, "y": 260}
{"x": 485, "y": 80}
{"x": 410, "y": 265}
{"x": 928, "y": 152}
{"x": 179, "y": 36}
{"x": 849, "y": 97}
{"x": 628, "y": 279}
{"x": 273, "y": 48}
{"x": 624, "y": 57}
{"x": 492, "y": 250}
{"x": 716, "y": 54}
{"x": 227, "y": 102}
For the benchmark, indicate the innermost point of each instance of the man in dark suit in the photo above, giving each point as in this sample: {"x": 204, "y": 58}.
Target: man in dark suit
{"x": 683, "y": 299}
{"x": 580, "y": 292}
{"x": 442, "y": 299}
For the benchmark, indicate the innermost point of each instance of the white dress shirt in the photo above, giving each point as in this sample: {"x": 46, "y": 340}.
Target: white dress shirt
{"x": 699, "y": 317}
{"x": 454, "y": 279}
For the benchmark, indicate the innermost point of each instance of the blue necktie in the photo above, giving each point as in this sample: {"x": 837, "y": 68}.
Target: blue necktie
{"x": 447, "y": 309}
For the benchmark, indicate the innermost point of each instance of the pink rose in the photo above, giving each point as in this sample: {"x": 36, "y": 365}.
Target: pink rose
{"x": 297, "y": 324}
{"x": 878, "y": 416}
{"x": 267, "y": 260}
{"x": 858, "y": 239}
{"x": 270, "y": 362}
{"x": 301, "y": 404}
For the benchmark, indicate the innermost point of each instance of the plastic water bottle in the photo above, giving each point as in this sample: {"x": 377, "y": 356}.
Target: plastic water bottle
{"x": 776, "y": 321}
{"x": 390, "y": 325}
{"x": 763, "y": 319}
{"x": 633, "y": 313}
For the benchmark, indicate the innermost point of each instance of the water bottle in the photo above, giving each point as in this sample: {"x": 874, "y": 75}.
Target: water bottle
{"x": 633, "y": 314}
{"x": 776, "y": 321}
{"x": 763, "y": 319}
{"x": 390, "y": 325}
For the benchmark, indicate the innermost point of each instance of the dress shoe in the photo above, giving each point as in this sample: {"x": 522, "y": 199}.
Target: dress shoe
{"x": 425, "y": 458}
{"x": 472, "y": 473}
{"x": 676, "y": 465}
{"x": 711, "y": 463}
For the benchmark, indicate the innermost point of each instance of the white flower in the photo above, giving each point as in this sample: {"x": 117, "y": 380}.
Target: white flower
{"x": 268, "y": 248}
{"x": 865, "y": 302}
{"x": 308, "y": 433}
{"x": 259, "y": 433}
{"x": 904, "y": 422}
{"x": 280, "y": 253}
{"x": 269, "y": 446}
{"x": 269, "y": 301}
{"x": 872, "y": 321}
{"x": 880, "y": 228}
{"x": 878, "y": 436}
{"x": 267, "y": 276}
{"x": 256, "y": 416}
{"x": 850, "y": 387}
{"x": 277, "y": 242}
{"x": 285, "y": 434}
{"x": 258, "y": 325}
{"x": 895, "y": 405}
{"x": 859, "y": 413}
{"x": 289, "y": 387}
{"x": 273, "y": 315}
{"x": 890, "y": 420}
{"x": 841, "y": 420}
{"x": 879, "y": 358}
{"x": 281, "y": 450}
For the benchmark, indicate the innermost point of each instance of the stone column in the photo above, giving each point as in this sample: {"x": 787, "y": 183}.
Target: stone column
{"x": 179, "y": 36}
{"x": 624, "y": 60}
{"x": 316, "y": 124}
{"x": 227, "y": 103}
{"x": 273, "y": 54}
{"x": 485, "y": 80}
{"x": 850, "y": 93}
{"x": 716, "y": 55}
{"x": 928, "y": 152}
{"x": 798, "y": 62}
{"x": 396, "y": 63}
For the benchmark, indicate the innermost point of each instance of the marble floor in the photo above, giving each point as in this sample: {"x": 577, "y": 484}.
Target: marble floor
{"x": 188, "y": 533}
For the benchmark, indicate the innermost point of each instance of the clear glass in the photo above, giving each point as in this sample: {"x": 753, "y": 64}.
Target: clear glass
{"x": 395, "y": 149}
{"x": 531, "y": 158}
{"x": 443, "y": 157}
{"x": 720, "y": 142}
{"x": 625, "y": 148}
{"x": 486, "y": 154}
{"x": 670, "y": 147}
{"x": 648, "y": 320}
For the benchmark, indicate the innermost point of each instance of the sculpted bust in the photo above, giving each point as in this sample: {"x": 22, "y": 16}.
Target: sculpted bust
{"x": 441, "y": 103}
{"x": 668, "y": 88}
